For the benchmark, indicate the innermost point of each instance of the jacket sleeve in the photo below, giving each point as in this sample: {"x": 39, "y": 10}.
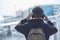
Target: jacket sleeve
{"x": 20, "y": 27}
{"x": 53, "y": 29}
{"x": 23, "y": 21}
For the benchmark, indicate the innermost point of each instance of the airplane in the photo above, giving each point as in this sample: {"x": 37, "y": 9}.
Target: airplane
{"x": 6, "y": 27}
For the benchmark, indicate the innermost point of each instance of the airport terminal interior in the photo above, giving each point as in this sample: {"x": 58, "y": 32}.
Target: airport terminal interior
{"x": 8, "y": 22}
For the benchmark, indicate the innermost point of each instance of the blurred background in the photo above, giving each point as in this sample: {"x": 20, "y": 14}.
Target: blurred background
{"x": 13, "y": 11}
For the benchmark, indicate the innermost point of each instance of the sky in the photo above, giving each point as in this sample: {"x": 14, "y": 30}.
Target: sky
{"x": 9, "y": 7}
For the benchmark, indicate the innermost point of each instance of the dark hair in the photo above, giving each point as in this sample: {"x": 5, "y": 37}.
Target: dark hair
{"x": 38, "y": 12}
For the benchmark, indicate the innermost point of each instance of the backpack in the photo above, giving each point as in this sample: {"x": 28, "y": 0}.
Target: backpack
{"x": 36, "y": 34}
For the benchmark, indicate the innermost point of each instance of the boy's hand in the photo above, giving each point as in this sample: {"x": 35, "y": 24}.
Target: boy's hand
{"x": 28, "y": 17}
{"x": 46, "y": 18}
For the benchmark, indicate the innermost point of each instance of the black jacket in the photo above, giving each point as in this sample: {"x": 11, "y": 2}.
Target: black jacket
{"x": 26, "y": 26}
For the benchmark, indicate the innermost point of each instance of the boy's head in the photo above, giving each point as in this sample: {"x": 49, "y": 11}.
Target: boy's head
{"x": 38, "y": 12}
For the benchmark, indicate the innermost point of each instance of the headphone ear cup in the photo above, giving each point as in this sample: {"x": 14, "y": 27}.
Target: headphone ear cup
{"x": 43, "y": 16}
{"x": 33, "y": 16}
